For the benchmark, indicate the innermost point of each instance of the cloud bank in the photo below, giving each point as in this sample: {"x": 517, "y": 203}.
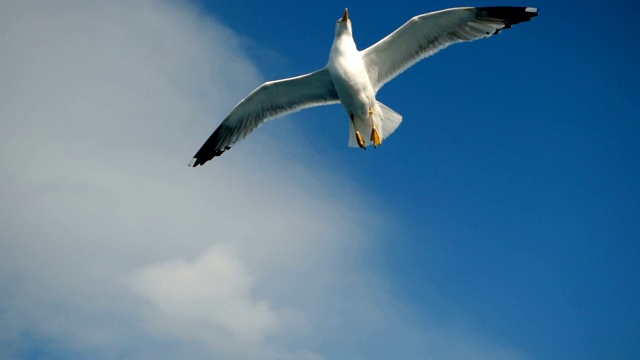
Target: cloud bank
{"x": 112, "y": 247}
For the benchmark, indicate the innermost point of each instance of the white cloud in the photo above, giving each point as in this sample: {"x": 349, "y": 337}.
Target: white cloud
{"x": 209, "y": 298}
{"x": 112, "y": 247}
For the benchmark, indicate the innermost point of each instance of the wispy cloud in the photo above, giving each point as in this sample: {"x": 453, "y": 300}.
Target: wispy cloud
{"x": 112, "y": 247}
{"x": 207, "y": 299}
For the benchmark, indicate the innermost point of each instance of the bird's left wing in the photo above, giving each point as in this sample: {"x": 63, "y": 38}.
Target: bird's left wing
{"x": 270, "y": 100}
{"x": 424, "y": 35}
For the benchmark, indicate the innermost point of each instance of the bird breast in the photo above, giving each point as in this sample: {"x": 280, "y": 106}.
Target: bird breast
{"x": 351, "y": 81}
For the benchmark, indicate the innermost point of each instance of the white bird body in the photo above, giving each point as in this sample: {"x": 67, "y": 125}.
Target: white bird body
{"x": 351, "y": 81}
{"x": 354, "y": 77}
{"x": 350, "y": 77}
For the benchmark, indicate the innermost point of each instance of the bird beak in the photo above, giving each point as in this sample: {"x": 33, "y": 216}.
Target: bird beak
{"x": 345, "y": 17}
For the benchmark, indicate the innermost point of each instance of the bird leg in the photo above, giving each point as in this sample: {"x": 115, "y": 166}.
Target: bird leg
{"x": 375, "y": 136}
{"x": 359, "y": 137}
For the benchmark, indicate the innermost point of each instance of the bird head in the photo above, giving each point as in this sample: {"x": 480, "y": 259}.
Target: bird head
{"x": 343, "y": 24}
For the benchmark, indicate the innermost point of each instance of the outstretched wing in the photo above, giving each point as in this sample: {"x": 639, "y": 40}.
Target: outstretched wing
{"x": 424, "y": 35}
{"x": 270, "y": 100}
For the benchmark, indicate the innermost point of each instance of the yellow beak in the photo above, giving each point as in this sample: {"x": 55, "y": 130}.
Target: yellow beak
{"x": 345, "y": 17}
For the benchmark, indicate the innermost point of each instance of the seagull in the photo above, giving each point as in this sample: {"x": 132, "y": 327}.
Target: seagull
{"x": 353, "y": 77}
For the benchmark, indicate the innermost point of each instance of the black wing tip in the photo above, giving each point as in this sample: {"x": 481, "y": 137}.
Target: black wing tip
{"x": 529, "y": 11}
{"x": 196, "y": 161}
{"x": 509, "y": 15}
{"x": 201, "y": 159}
{"x": 210, "y": 149}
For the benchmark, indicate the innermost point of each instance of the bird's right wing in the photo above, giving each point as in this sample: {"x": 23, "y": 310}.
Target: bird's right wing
{"x": 424, "y": 35}
{"x": 270, "y": 100}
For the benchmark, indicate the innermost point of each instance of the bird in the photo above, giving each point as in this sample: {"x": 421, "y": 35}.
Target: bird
{"x": 354, "y": 77}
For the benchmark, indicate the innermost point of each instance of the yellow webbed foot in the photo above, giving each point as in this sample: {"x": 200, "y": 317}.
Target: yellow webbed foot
{"x": 360, "y": 140}
{"x": 375, "y": 137}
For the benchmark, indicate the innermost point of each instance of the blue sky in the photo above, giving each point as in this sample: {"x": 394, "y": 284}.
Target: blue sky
{"x": 514, "y": 174}
{"x": 500, "y": 221}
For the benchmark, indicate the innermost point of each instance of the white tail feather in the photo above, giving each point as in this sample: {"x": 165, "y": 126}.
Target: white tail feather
{"x": 386, "y": 119}
{"x": 390, "y": 120}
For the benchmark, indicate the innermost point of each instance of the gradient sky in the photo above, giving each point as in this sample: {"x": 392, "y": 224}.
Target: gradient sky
{"x": 500, "y": 221}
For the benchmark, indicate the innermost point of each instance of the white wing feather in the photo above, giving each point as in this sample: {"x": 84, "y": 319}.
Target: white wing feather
{"x": 426, "y": 34}
{"x": 270, "y": 100}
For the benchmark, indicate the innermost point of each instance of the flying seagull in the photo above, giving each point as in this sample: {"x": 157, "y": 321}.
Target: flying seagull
{"x": 353, "y": 77}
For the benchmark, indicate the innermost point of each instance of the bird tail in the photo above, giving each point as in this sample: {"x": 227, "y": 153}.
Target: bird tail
{"x": 390, "y": 120}
{"x": 387, "y": 121}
